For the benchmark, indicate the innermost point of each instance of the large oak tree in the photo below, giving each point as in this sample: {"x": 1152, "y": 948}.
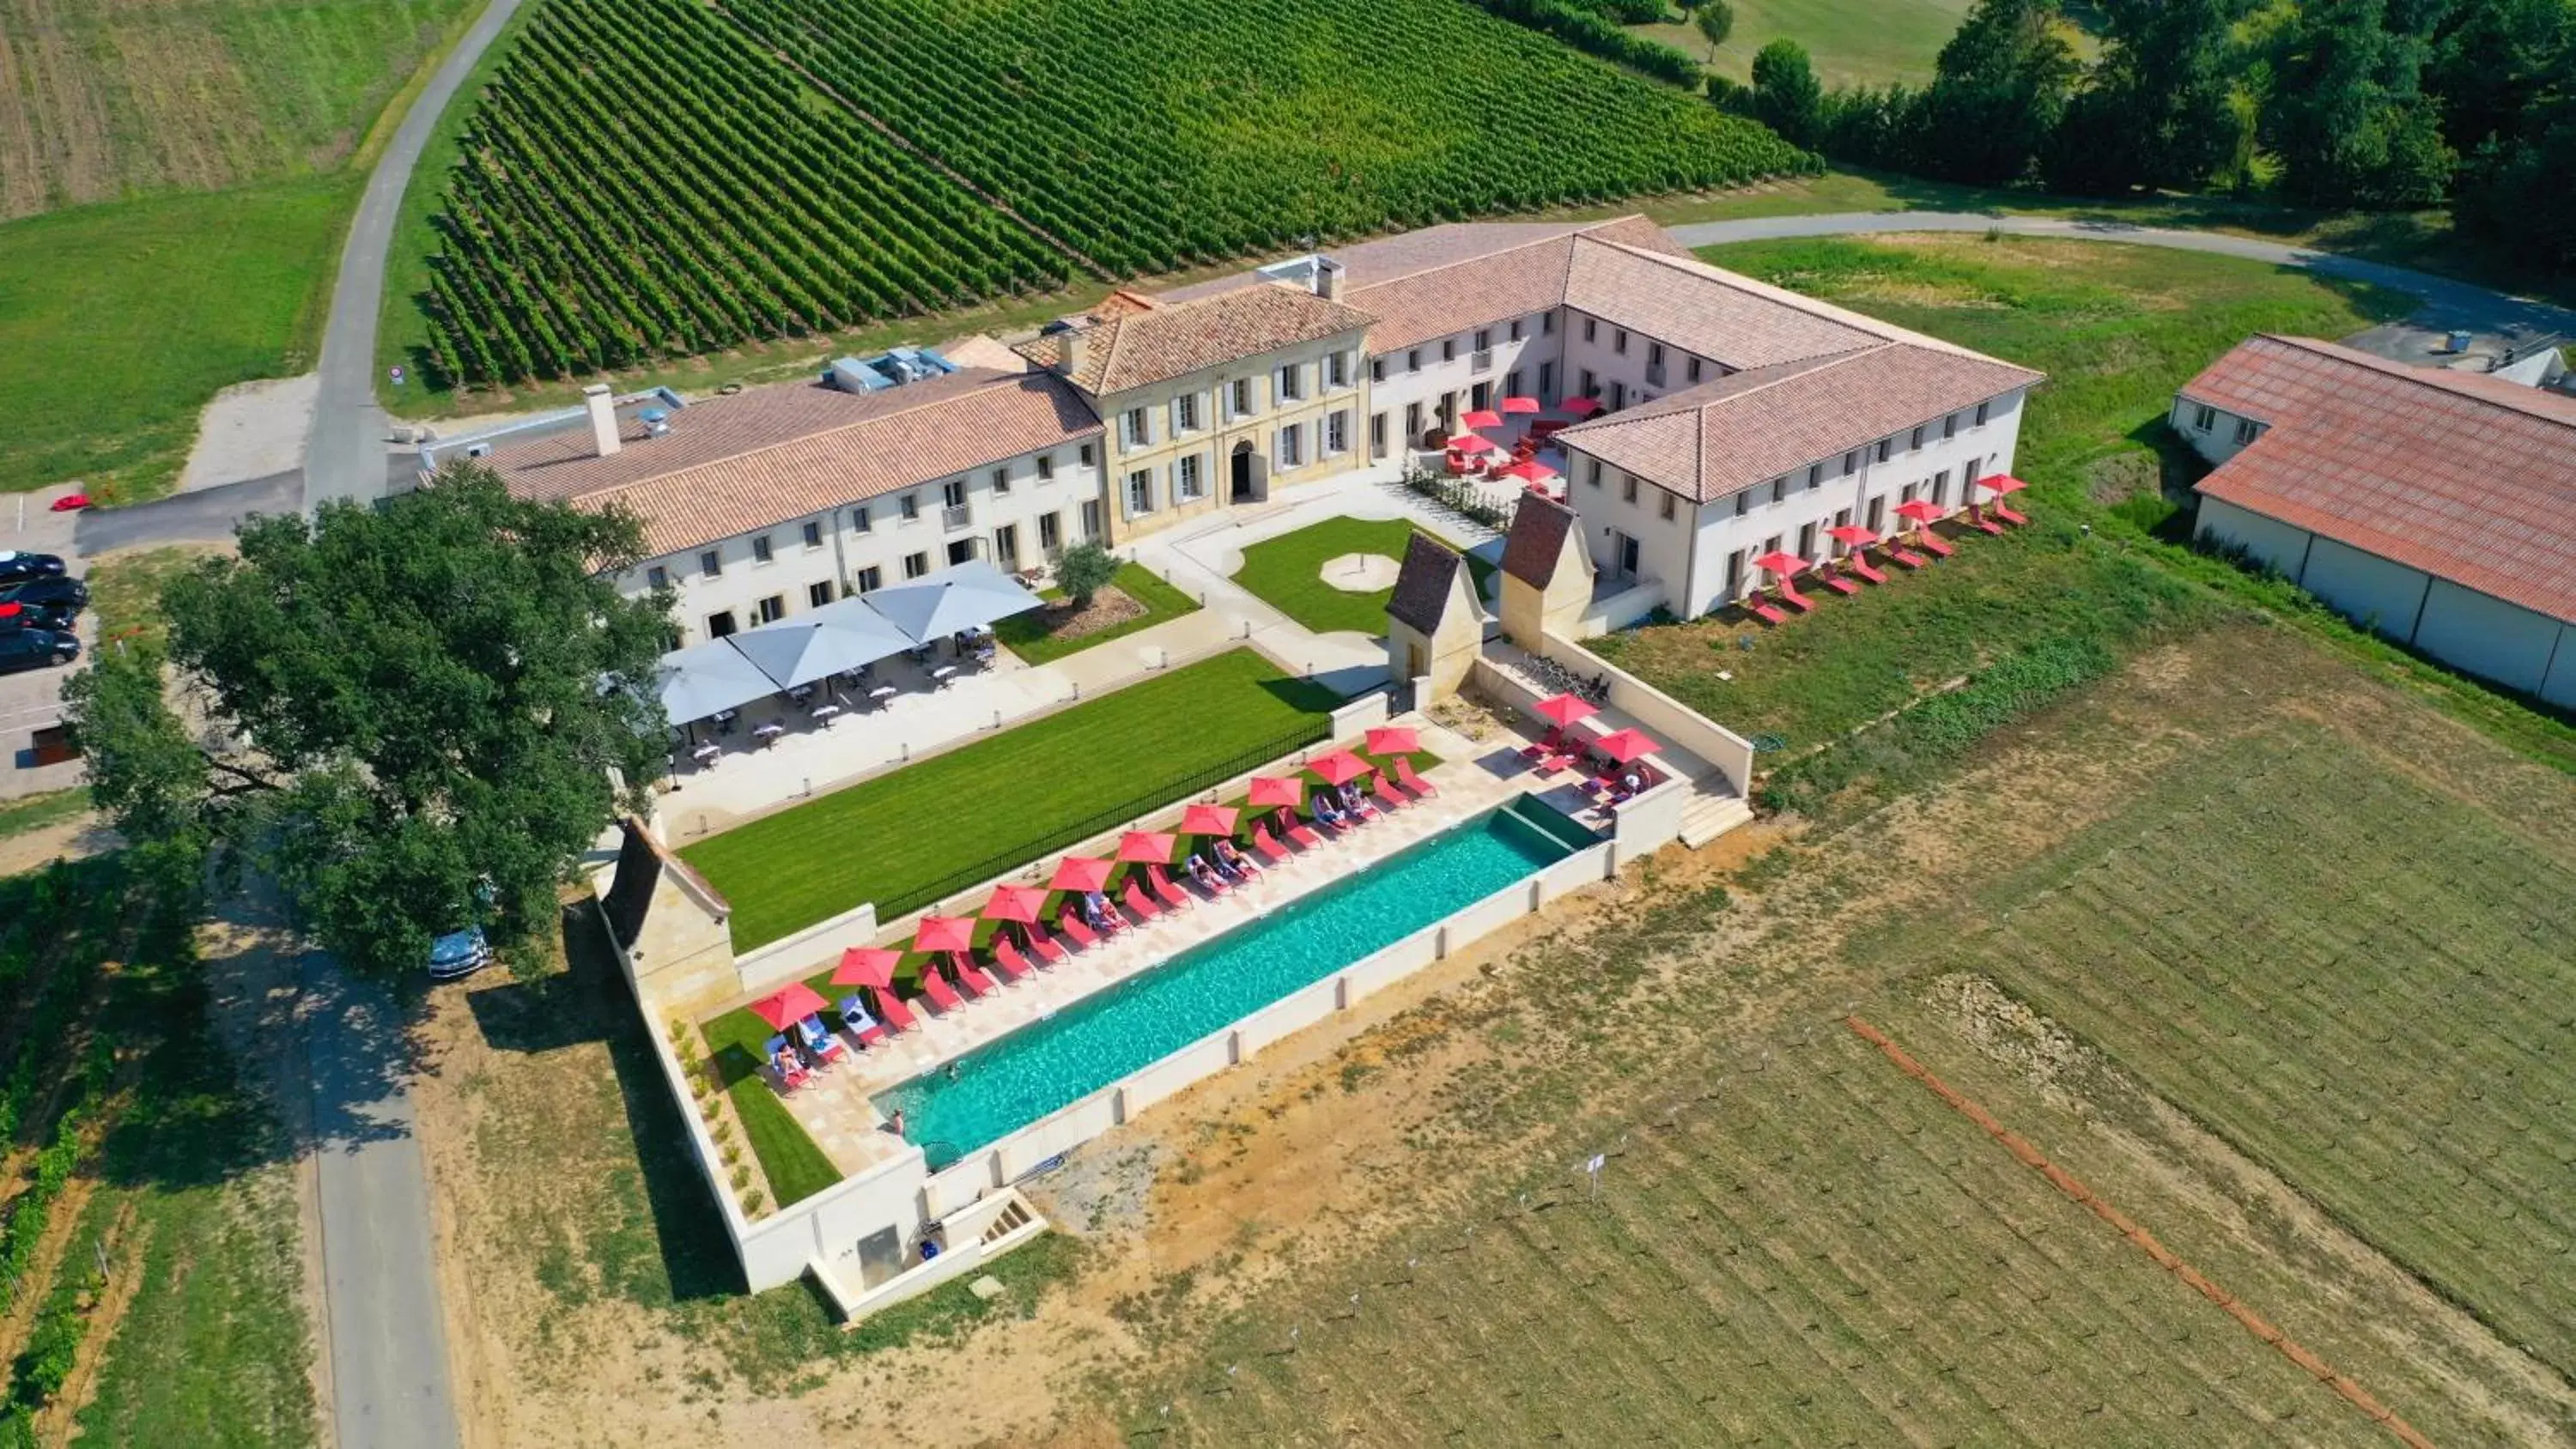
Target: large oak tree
{"x": 408, "y": 714}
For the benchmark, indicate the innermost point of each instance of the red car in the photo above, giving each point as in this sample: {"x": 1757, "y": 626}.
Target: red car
{"x": 71, "y": 503}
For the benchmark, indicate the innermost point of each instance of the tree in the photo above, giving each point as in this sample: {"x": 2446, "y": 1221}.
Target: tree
{"x": 2000, "y": 86}
{"x": 1084, "y": 571}
{"x": 1786, "y": 95}
{"x": 2158, "y": 109}
{"x": 1715, "y": 20}
{"x": 2515, "y": 190}
{"x": 2348, "y": 116}
{"x": 411, "y": 712}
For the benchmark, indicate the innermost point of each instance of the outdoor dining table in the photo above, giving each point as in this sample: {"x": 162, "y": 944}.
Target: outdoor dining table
{"x": 943, "y": 674}
{"x": 704, "y": 753}
{"x": 825, "y": 711}
{"x": 768, "y": 732}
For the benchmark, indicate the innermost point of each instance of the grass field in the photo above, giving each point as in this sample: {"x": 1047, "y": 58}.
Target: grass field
{"x": 118, "y": 322}
{"x": 951, "y": 820}
{"x": 2117, "y": 329}
{"x": 1851, "y": 42}
{"x": 1030, "y": 637}
{"x": 34, "y": 812}
{"x": 2358, "y": 981}
{"x": 1287, "y": 572}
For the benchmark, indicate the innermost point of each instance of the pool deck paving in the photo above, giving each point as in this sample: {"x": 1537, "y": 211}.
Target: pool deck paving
{"x": 835, "y": 1106}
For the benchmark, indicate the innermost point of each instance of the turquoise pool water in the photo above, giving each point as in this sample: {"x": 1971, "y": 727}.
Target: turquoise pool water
{"x": 1051, "y": 1063}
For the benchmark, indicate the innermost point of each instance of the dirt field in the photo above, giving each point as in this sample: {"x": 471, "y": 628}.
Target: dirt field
{"x": 1389, "y": 1239}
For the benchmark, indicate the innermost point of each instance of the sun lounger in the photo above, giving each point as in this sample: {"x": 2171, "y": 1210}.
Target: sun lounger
{"x": 820, "y": 1044}
{"x": 896, "y": 1015}
{"x": 2005, "y": 512}
{"x": 968, "y": 976}
{"x": 1980, "y": 521}
{"x": 1070, "y": 922}
{"x": 1168, "y": 893}
{"x": 1412, "y": 781}
{"x": 1268, "y": 845}
{"x": 1935, "y": 542}
{"x": 1008, "y": 960}
{"x": 1837, "y": 583}
{"x": 1765, "y": 612}
{"x": 1049, "y": 949}
{"x": 1303, "y": 833}
{"x": 790, "y": 1079}
{"x": 1795, "y": 600}
{"x": 1898, "y": 553}
{"x": 943, "y": 997}
{"x": 1554, "y": 763}
{"x": 1214, "y": 882}
{"x": 1864, "y": 568}
{"x": 1136, "y": 900}
{"x": 1386, "y": 793}
{"x": 854, "y": 1012}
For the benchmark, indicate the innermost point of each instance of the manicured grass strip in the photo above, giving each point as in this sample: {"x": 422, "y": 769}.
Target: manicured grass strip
{"x": 796, "y": 1168}
{"x": 908, "y": 836}
{"x": 1287, "y": 572}
{"x": 1027, "y": 634}
{"x": 35, "y": 812}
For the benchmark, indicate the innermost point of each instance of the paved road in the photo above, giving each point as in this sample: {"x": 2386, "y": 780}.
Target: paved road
{"x": 2447, "y": 303}
{"x": 344, "y": 459}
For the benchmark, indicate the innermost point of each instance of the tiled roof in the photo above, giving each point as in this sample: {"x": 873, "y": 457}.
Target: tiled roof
{"x": 1724, "y": 436}
{"x": 2468, "y": 478}
{"x": 1711, "y": 313}
{"x": 1424, "y": 585}
{"x": 1138, "y": 346}
{"x": 1537, "y": 539}
{"x": 732, "y": 465}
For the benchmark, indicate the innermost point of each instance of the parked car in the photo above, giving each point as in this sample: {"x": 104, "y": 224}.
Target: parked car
{"x": 18, "y": 567}
{"x": 35, "y": 649}
{"x": 54, "y": 591}
{"x": 459, "y": 953}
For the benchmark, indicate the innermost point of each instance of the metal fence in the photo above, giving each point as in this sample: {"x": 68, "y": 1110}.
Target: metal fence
{"x": 1144, "y": 803}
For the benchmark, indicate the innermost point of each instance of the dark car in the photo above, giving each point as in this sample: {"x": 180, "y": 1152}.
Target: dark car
{"x": 35, "y": 649}
{"x": 52, "y": 592}
{"x": 19, "y": 567}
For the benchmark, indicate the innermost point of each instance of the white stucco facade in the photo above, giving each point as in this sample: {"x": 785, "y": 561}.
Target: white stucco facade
{"x": 1418, "y": 392}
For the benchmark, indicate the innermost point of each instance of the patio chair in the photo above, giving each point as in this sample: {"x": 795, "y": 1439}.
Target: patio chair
{"x": 1935, "y": 542}
{"x": 1049, "y": 949}
{"x": 1137, "y": 901}
{"x": 1268, "y": 844}
{"x": 1863, "y": 568}
{"x": 790, "y": 1079}
{"x": 1412, "y": 781}
{"x": 1170, "y": 894}
{"x": 1008, "y": 960}
{"x": 1837, "y": 582}
{"x": 1304, "y": 834}
{"x": 819, "y": 1044}
{"x": 892, "y": 1011}
{"x": 853, "y": 1012}
{"x": 974, "y": 980}
{"x": 943, "y": 997}
{"x": 1069, "y": 920}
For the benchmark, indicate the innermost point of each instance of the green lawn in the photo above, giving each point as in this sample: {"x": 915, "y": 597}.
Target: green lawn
{"x": 909, "y": 836}
{"x": 1287, "y": 572}
{"x": 1028, "y": 636}
{"x": 119, "y": 322}
{"x": 35, "y": 812}
{"x": 2117, "y": 329}
{"x": 1852, "y": 42}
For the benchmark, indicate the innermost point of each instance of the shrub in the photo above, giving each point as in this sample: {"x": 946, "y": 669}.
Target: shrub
{"x": 1085, "y": 570}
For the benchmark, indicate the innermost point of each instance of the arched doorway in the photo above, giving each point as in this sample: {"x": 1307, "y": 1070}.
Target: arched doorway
{"x": 1249, "y": 479}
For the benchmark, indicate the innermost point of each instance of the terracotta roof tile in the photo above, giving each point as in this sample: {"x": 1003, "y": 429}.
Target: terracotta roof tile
{"x": 1137, "y": 347}
{"x": 1715, "y": 314}
{"x": 1422, "y": 586}
{"x": 732, "y": 465}
{"x": 1537, "y": 539}
{"x": 1727, "y": 435}
{"x": 2468, "y": 478}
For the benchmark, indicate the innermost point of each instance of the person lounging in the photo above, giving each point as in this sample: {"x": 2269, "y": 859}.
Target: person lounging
{"x": 1233, "y": 861}
{"x": 1356, "y": 803}
{"x": 1329, "y": 813}
{"x": 1206, "y": 878}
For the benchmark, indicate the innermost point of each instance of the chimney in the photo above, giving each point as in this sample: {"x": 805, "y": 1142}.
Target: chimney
{"x": 1069, "y": 344}
{"x": 1328, "y": 279}
{"x": 603, "y": 418}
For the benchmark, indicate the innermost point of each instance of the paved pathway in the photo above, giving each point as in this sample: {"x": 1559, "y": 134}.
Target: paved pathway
{"x": 2447, "y": 303}
{"x": 345, "y": 458}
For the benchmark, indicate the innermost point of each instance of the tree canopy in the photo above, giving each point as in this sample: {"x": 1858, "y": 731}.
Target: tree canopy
{"x": 1786, "y": 95}
{"x": 408, "y": 714}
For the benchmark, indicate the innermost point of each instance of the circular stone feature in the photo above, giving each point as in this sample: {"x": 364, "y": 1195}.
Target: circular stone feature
{"x": 1360, "y": 573}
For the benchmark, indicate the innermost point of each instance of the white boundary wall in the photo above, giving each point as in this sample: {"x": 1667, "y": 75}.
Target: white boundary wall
{"x": 1662, "y": 714}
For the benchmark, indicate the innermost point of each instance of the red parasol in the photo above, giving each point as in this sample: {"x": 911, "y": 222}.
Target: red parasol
{"x": 1851, "y": 533}
{"x": 1780, "y": 563}
{"x": 1392, "y": 740}
{"x": 1340, "y": 767}
{"x": 1920, "y": 510}
{"x": 866, "y": 966}
{"x": 1208, "y": 820}
{"x": 1581, "y": 407}
{"x": 1626, "y": 745}
{"x": 1482, "y": 418}
{"x": 2002, "y": 483}
{"x": 1268, "y": 792}
{"x": 1522, "y": 405}
{"x": 1081, "y": 873}
{"x": 944, "y": 933}
{"x": 1015, "y": 903}
{"x": 1147, "y": 847}
{"x": 1564, "y": 709}
{"x": 1531, "y": 469}
{"x": 794, "y": 1003}
{"x": 1471, "y": 443}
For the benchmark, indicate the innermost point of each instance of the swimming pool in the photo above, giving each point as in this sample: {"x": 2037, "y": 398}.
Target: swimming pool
{"x": 1052, "y": 1063}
